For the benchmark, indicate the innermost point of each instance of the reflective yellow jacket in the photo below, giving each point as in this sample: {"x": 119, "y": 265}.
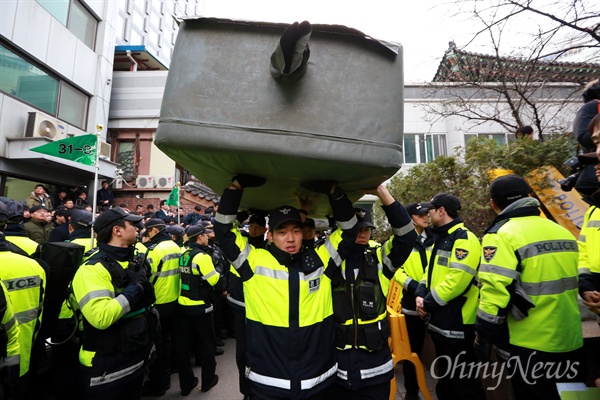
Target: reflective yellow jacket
{"x": 11, "y": 327}
{"x": 25, "y": 281}
{"x": 451, "y": 296}
{"x": 289, "y": 312}
{"x": 589, "y": 253}
{"x": 163, "y": 258}
{"x": 523, "y": 249}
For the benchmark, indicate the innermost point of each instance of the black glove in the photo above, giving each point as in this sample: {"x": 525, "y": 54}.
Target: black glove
{"x": 323, "y": 186}
{"x": 247, "y": 180}
{"x": 482, "y": 348}
{"x": 139, "y": 292}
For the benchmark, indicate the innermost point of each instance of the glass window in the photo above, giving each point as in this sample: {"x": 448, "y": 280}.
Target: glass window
{"x": 82, "y": 24}
{"x": 58, "y": 8}
{"x": 125, "y": 158}
{"x": 410, "y": 154}
{"x": 21, "y": 79}
{"x": 73, "y": 106}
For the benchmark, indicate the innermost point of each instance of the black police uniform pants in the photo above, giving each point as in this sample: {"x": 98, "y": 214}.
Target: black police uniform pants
{"x": 453, "y": 386}
{"x": 416, "y": 335}
{"x": 239, "y": 320}
{"x": 194, "y": 331}
{"x": 380, "y": 391}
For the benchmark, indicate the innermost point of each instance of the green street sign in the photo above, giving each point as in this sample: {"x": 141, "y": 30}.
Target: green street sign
{"x": 81, "y": 149}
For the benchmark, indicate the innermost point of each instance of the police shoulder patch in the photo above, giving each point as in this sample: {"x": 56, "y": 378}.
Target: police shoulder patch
{"x": 461, "y": 254}
{"x": 489, "y": 252}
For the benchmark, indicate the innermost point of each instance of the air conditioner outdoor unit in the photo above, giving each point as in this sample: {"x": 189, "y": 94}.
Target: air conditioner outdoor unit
{"x": 104, "y": 150}
{"x": 118, "y": 183}
{"x": 41, "y": 125}
{"x": 145, "y": 181}
{"x": 165, "y": 182}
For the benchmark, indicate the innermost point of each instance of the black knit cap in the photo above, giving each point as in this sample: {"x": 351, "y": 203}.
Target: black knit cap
{"x": 506, "y": 189}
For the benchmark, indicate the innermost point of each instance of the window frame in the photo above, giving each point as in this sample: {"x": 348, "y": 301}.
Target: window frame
{"x": 60, "y": 80}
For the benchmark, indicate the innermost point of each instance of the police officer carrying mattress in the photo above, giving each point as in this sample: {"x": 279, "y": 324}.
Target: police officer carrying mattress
{"x": 115, "y": 298}
{"x": 360, "y": 288}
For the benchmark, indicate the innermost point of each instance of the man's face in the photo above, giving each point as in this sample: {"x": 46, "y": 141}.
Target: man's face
{"x": 420, "y": 220}
{"x": 62, "y": 195}
{"x": 39, "y": 190}
{"x": 104, "y": 185}
{"x": 128, "y": 233}
{"x": 308, "y": 233}
{"x": 39, "y": 215}
{"x": 139, "y": 209}
{"x": 69, "y": 203}
{"x": 364, "y": 235}
{"x": 255, "y": 230}
{"x": 287, "y": 237}
{"x": 61, "y": 219}
{"x": 435, "y": 216}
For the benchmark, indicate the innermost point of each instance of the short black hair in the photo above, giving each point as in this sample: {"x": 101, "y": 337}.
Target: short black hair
{"x": 162, "y": 202}
{"x": 524, "y": 131}
{"x": 105, "y": 234}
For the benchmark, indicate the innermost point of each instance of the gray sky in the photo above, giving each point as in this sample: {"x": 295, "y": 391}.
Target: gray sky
{"x": 421, "y": 26}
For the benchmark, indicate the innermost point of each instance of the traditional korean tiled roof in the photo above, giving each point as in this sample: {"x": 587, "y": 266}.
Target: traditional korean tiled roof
{"x": 201, "y": 190}
{"x": 462, "y": 66}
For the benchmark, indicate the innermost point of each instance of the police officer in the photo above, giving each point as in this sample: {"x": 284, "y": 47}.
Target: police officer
{"x": 25, "y": 281}
{"x": 9, "y": 344}
{"x": 115, "y": 299}
{"x": 287, "y": 291}
{"x": 9, "y": 331}
{"x": 409, "y": 275}
{"x": 528, "y": 304}
{"x": 65, "y": 336}
{"x": 257, "y": 227}
{"x": 163, "y": 257}
{"x": 360, "y": 289}
{"x": 449, "y": 296}
{"x": 195, "y": 323}
{"x": 589, "y": 238}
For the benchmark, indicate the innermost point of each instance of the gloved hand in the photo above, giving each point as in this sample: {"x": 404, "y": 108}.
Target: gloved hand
{"x": 482, "y": 348}
{"x": 323, "y": 186}
{"x": 139, "y": 292}
{"x": 247, "y": 180}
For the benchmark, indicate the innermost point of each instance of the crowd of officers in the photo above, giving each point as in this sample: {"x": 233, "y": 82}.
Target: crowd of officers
{"x": 310, "y": 315}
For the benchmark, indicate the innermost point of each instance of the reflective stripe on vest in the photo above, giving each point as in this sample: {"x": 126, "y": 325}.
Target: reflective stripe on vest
{"x": 464, "y": 267}
{"x": 557, "y": 286}
{"x": 448, "y": 334}
{"x": 271, "y": 273}
{"x": 403, "y": 230}
{"x": 333, "y": 253}
{"x": 237, "y": 263}
{"x": 286, "y": 383}
{"x": 27, "y": 316}
{"x": 94, "y": 294}
{"x": 494, "y": 319}
{"x": 109, "y": 378}
{"x": 225, "y": 219}
{"x": 547, "y": 246}
{"x": 498, "y": 270}
{"x": 376, "y": 371}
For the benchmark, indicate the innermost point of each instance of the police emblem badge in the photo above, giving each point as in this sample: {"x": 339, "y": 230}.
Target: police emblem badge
{"x": 489, "y": 252}
{"x": 461, "y": 254}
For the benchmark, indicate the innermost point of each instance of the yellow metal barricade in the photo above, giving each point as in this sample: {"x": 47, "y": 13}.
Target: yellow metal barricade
{"x": 399, "y": 342}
